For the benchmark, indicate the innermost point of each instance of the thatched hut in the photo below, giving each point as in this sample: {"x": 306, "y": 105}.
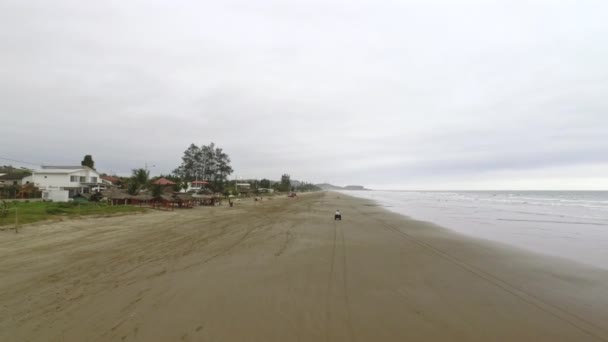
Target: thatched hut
{"x": 184, "y": 200}
{"x": 142, "y": 199}
{"x": 213, "y": 200}
{"x": 117, "y": 196}
{"x": 163, "y": 201}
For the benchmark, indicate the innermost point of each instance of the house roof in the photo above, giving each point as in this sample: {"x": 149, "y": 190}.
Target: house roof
{"x": 116, "y": 194}
{"x": 143, "y": 197}
{"x": 166, "y": 198}
{"x": 62, "y": 169}
{"x": 111, "y": 179}
{"x": 199, "y": 182}
{"x": 14, "y": 176}
{"x": 163, "y": 181}
{"x": 184, "y": 197}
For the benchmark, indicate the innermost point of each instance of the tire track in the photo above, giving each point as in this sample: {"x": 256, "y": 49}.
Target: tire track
{"x": 563, "y": 315}
{"x": 345, "y": 286}
{"x": 288, "y": 238}
{"x": 222, "y": 251}
{"x": 330, "y": 286}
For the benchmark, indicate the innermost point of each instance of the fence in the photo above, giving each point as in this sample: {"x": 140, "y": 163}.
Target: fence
{"x": 10, "y": 195}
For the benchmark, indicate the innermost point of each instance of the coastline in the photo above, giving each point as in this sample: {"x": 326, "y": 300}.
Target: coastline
{"x": 283, "y": 270}
{"x": 569, "y": 225}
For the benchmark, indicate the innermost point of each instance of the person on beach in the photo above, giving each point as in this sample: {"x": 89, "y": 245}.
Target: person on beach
{"x": 338, "y": 216}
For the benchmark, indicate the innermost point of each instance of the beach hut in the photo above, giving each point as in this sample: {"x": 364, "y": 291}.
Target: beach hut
{"x": 163, "y": 201}
{"x": 211, "y": 200}
{"x": 184, "y": 200}
{"x": 142, "y": 199}
{"x": 117, "y": 196}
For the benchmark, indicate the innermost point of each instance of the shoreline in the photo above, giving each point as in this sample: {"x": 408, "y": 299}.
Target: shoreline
{"x": 557, "y": 226}
{"x": 284, "y": 270}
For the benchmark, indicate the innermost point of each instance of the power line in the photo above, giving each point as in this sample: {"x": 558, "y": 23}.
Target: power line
{"x": 19, "y": 161}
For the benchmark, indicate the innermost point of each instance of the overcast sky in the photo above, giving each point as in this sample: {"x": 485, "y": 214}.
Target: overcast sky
{"x": 387, "y": 94}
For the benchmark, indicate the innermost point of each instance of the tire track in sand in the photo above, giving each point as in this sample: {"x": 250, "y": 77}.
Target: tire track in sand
{"x": 345, "y": 286}
{"x": 330, "y": 286}
{"x": 338, "y": 234}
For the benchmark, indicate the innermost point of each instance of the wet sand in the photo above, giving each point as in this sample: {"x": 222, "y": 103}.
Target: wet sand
{"x": 284, "y": 270}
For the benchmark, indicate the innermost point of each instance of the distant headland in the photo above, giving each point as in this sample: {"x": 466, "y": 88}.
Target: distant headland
{"x": 327, "y": 186}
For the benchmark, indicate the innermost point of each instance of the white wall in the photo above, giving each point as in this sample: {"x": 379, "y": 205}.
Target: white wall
{"x": 52, "y": 180}
{"x": 55, "y": 195}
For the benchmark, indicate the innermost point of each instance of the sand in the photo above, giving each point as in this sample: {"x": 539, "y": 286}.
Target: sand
{"x": 284, "y": 270}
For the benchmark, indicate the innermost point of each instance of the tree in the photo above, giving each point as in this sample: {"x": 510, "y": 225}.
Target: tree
{"x": 265, "y": 183}
{"x": 222, "y": 168}
{"x": 141, "y": 176}
{"x": 88, "y": 161}
{"x": 307, "y": 187}
{"x": 133, "y": 188}
{"x": 206, "y": 162}
{"x": 190, "y": 167}
{"x": 139, "y": 179}
{"x": 156, "y": 191}
{"x": 285, "y": 183}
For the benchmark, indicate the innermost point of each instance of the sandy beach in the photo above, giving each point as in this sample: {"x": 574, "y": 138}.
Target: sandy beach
{"x": 284, "y": 270}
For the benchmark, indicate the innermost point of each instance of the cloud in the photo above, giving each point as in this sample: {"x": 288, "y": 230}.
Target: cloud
{"x": 366, "y": 92}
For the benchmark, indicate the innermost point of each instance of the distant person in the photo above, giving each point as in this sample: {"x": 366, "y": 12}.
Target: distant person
{"x": 338, "y": 215}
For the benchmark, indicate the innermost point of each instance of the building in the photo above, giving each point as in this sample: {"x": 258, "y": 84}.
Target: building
{"x": 196, "y": 186}
{"x": 243, "y": 188}
{"x": 112, "y": 179}
{"x": 163, "y": 182}
{"x": 73, "y": 179}
{"x": 8, "y": 179}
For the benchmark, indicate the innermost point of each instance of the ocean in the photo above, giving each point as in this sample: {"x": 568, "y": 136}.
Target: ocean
{"x": 567, "y": 224}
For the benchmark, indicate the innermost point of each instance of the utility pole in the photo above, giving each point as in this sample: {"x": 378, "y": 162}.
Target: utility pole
{"x": 146, "y": 166}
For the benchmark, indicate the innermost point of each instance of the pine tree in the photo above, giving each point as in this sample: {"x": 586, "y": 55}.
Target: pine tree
{"x": 88, "y": 161}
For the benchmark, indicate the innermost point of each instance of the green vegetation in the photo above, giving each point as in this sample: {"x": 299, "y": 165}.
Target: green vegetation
{"x": 28, "y": 212}
{"x": 307, "y": 187}
{"x": 264, "y": 183}
{"x": 140, "y": 179}
{"x": 285, "y": 184}
{"x": 20, "y": 172}
{"x": 206, "y": 162}
{"x": 88, "y": 161}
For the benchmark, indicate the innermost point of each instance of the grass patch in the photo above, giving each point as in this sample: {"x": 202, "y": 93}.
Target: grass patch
{"x": 29, "y": 212}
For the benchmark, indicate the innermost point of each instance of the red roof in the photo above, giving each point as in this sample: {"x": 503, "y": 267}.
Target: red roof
{"x": 111, "y": 179}
{"x": 200, "y": 182}
{"x": 163, "y": 181}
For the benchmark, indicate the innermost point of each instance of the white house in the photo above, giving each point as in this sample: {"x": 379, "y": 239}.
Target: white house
{"x": 195, "y": 186}
{"x": 73, "y": 179}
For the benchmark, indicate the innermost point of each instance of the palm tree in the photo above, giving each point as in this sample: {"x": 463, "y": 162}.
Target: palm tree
{"x": 141, "y": 176}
